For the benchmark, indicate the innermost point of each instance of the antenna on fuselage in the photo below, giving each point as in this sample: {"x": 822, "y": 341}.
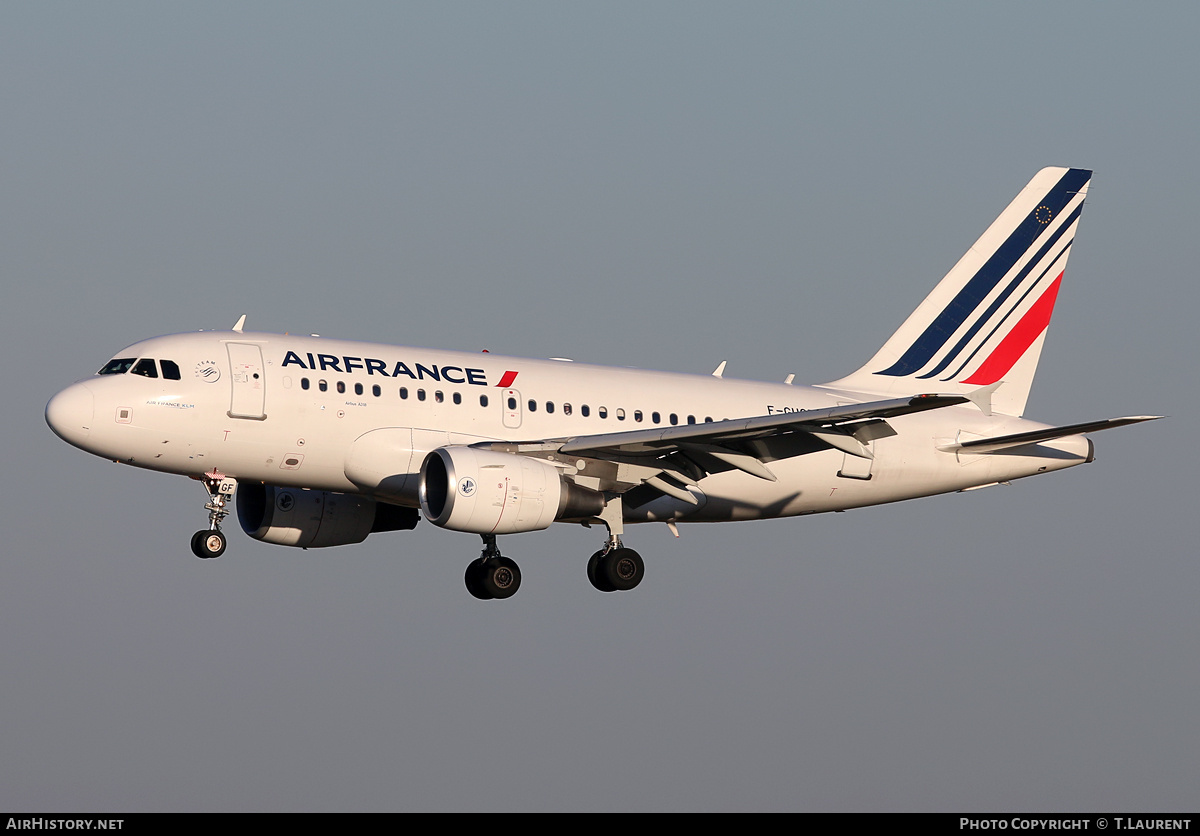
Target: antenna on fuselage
{"x": 238, "y": 325}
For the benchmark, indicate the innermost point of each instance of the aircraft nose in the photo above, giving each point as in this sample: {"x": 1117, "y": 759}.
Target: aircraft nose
{"x": 70, "y": 412}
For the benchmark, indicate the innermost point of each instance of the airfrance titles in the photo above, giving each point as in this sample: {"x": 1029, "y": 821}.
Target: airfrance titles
{"x": 372, "y": 366}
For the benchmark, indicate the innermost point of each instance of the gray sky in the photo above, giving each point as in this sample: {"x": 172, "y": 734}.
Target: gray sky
{"x": 656, "y": 185}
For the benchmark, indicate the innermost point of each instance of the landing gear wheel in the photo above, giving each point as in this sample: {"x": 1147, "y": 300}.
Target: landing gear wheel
{"x": 474, "y": 579}
{"x": 501, "y": 577}
{"x": 596, "y": 574}
{"x": 208, "y": 543}
{"x": 492, "y": 575}
{"x": 622, "y": 568}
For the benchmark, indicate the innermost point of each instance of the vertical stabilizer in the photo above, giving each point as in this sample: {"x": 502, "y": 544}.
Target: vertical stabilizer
{"x": 985, "y": 322}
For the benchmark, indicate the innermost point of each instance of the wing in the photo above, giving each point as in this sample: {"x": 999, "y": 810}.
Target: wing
{"x": 672, "y": 458}
{"x": 830, "y": 423}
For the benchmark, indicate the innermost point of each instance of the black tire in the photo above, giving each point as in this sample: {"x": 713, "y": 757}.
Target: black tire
{"x": 474, "y": 579}
{"x": 596, "y": 575}
{"x": 208, "y": 544}
{"x": 623, "y": 568}
{"x": 501, "y": 578}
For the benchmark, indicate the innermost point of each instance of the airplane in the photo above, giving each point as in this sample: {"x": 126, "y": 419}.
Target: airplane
{"x": 320, "y": 442}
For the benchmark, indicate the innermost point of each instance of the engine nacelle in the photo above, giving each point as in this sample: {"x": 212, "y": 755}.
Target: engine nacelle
{"x": 485, "y": 492}
{"x": 314, "y": 519}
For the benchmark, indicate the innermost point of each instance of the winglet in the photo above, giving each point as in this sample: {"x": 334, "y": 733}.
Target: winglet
{"x": 720, "y": 370}
{"x": 239, "y": 324}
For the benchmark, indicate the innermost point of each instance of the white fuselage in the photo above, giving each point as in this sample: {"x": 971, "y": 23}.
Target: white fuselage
{"x": 324, "y": 414}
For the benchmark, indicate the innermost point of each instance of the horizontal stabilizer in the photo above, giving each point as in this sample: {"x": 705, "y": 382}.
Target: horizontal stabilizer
{"x": 1003, "y": 442}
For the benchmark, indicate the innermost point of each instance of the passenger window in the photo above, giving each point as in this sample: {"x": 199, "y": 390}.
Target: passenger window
{"x": 637, "y": 415}
{"x": 620, "y": 414}
{"x": 483, "y": 400}
{"x": 170, "y": 369}
{"x": 674, "y": 419}
{"x": 358, "y": 388}
{"x": 691, "y": 419}
{"x": 655, "y": 417}
{"x": 566, "y": 409}
{"x": 585, "y": 410}
{"x": 457, "y": 398}
{"x": 602, "y": 412}
{"x": 304, "y": 383}
{"x": 146, "y": 368}
{"x": 549, "y": 406}
{"x": 420, "y": 394}
{"x": 376, "y": 391}
{"x": 118, "y": 366}
{"x": 532, "y": 405}
{"x": 512, "y": 403}
{"x": 341, "y": 387}
{"x": 438, "y": 396}
{"x": 708, "y": 419}
{"x": 322, "y": 385}
{"x": 403, "y": 393}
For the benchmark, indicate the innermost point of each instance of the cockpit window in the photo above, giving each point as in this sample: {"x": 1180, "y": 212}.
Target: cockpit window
{"x": 117, "y": 366}
{"x": 146, "y": 368}
{"x": 170, "y": 369}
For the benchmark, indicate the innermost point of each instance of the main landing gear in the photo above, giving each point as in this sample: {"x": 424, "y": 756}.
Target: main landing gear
{"x": 210, "y": 542}
{"x": 615, "y": 567}
{"x": 492, "y": 575}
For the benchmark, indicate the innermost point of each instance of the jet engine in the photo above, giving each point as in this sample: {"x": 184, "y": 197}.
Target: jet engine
{"x": 314, "y": 519}
{"x": 465, "y": 489}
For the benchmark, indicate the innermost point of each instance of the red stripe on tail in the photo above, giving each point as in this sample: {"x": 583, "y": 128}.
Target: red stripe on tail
{"x": 1018, "y": 340}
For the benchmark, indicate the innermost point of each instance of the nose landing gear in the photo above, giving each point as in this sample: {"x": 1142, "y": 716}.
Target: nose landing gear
{"x": 210, "y": 542}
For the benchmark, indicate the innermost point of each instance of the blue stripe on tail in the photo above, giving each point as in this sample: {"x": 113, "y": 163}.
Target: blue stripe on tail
{"x": 1004, "y": 294}
{"x": 988, "y": 276}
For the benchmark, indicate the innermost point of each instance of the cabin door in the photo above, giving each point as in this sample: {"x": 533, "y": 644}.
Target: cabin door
{"x": 248, "y": 381}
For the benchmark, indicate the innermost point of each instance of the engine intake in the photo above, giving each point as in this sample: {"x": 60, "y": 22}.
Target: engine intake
{"x": 315, "y": 519}
{"x": 465, "y": 489}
